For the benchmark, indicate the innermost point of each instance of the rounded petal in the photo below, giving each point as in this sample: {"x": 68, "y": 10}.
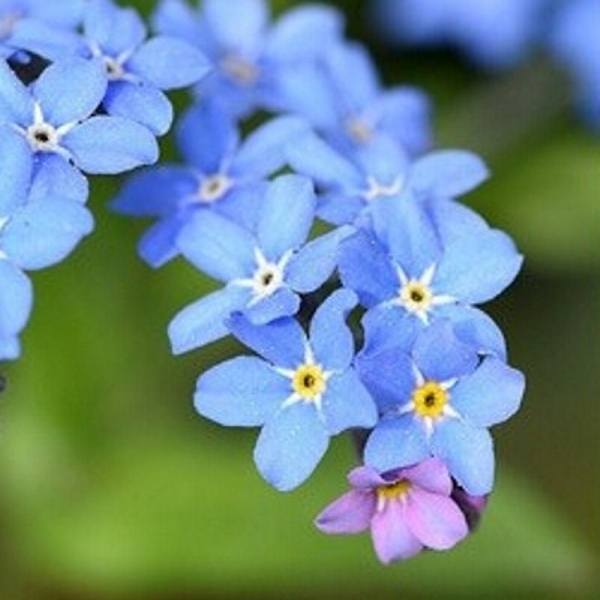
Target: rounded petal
{"x": 16, "y": 103}
{"x": 350, "y": 513}
{"x": 203, "y": 321}
{"x": 386, "y": 327}
{"x": 168, "y": 63}
{"x": 430, "y": 475}
{"x": 281, "y": 303}
{"x": 16, "y": 299}
{"x": 54, "y": 175}
{"x": 396, "y": 442}
{"x": 241, "y": 392}
{"x": 468, "y": 453}
{"x": 347, "y": 404}
{"x": 290, "y": 446}
{"x": 392, "y": 538}
{"x": 158, "y": 244}
{"x": 69, "y": 90}
{"x": 490, "y": 395}
{"x": 141, "y": 103}
{"x": 245, "y": 31}
{"x": 110, "y": 145}
{"x": 436, "y": 521}
{"x": 15, "y": 170}
{"x": 330, "y": 337}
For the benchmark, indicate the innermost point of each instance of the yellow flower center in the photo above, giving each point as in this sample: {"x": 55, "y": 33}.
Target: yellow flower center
{"x": 415, "y": 296}
{"x": 394, "y": 491}
{"x": 430, "y": 399}
{"x": 309, "y": 381}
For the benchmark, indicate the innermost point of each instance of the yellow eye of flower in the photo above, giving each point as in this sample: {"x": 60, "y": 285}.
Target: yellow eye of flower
{"x": 415, "y": 296}
{"x": 394, "y": 491}
{"x": 430, "y": 399}
{"x": 309, "y": 381}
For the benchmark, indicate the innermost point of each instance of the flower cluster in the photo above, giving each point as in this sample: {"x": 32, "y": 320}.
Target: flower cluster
{"x": 566, "y": 30}
{"x": 80, "y": 94}
{"x": 345, "y": 262}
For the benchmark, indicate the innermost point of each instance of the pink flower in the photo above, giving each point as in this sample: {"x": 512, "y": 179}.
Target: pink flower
{"x": 406, "y": 510}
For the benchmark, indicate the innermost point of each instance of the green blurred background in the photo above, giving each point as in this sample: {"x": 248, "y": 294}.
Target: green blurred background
{"x": 112, "y": 487}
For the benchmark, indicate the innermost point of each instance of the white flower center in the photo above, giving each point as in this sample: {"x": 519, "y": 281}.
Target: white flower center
{"x": 358, "y": 129}
{"x": 381, "y": 190}
{"x": 214, "y": 187}
{"x": 240, "y": 69}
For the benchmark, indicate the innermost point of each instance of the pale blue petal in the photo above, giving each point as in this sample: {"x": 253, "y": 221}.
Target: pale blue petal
{"x": 313, "y": 264}
{"x": 340, "y": 208}
{"x": 492, "y": 394}
{"x": 330, "y": 337}
{"x": 290, "y": 446}
{"x": 347, "y": 404}
{"x": 453, "y": 220}
{"x": 477, "y": 268}
{"x": 16, "y": 103}
{"x": 168, "y": 63}
{"x": 241, "y": 392}
{"x": 70, "y": 89}
{"x": 45, "y": 232}
{"x": 365, "y": 268}
{"x": 16, "y": 298}
{"x": 203, "y": 321}
{"x": 141, "y": 103}
{"x": 15, "y": 170}
{"x": 158, "y": 245}
{"x": 448, "y": 173}
{"x": 110, "y": 145}
{"x": 219, "y": 247}
{"x": 281, "y": 342}
{"x": 468, "y": 453}
{"x": 286, "y": 216}
{"x": 237, "y": 24}
{"x": 281, "y": 303}
{"x": 396, "y": 442}
{"x": 388, "y": 327}
{"x": 53, "y": 175}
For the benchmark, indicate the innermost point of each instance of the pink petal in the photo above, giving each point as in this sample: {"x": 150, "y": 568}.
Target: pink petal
{"x": 430, "y": 475}
{"x": 435, "y": 520}
{"x": 392, "y": 538}
{"x": 350, "y": 513}
{"x": 365, "y": 478}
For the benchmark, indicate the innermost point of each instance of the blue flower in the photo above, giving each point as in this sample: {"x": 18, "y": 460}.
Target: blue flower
{"x": 55, "y": 117}
{"x": 341, "y": 95}
{"x": 264, "y": 272}
{"x": 426, "y": 260}
{"x": 575, "y": 43}
{"x": 227, "y": 176}
{"x": 136, "y": 68}
{"x": 467, "y": 25}
{"x": 348, "y": 186}
{"x": 248, "y": 52}
{"x": 302, "y": 393}
{"x": 439, "y": 400}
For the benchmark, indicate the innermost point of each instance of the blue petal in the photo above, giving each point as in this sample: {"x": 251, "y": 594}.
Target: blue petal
{"x": 448, "y": 173}
{"x": 203, "y": 321}
{"x": 168, "y": 63}
{"x": 490, "y": 395}
{"x": 264, "y": 150}
{"x": 454, "y": 220}
{"x": 286, "y": 216}
{"x": 207, "y": 121}
{"x": 346, "y": 404}
{"x": 141, "y": 103}
{"x": 440, "y": 355}
{"x": 70, "y": 90}
{"x": 10, "y": 347}
{"x": 241, "y": 392}
{"x": 330, "y": 337}
{"x": 365, "y": 268}
{"x": 312, "y": 265}
{"x": 242, "y": 31}
{"x": 290, "y": 446}
{"x": 468, "y": 453}
{"x": 178, "y": 18}
{"x": 388, "y": 326}
{"x": 159, "y": 244}
{"x": 15, "y": 170}
{"x": 281, "y": 303}
{"x": 340, "y": 208}
{"x": 219, "y": 247}
{"x": 110, "y": 145}
{"x": 55, "y": 176}
{"x": 45, "y": 232}
{"x": 281, "y": 342}
{"x": 478, "y": 267}
{"x": 16, "y": 298}
{"x": 16, "y": 104}
{"x": 395, "y": 443}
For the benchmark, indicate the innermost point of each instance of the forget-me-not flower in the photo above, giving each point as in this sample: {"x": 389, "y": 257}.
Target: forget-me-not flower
{"x": 264, "y": 272}
{"x": 301, "y": 392}
{"x": 406, "y": 510}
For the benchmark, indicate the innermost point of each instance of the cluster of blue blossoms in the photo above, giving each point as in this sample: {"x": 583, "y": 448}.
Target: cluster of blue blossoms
{"x": 347, "y": 263}
{"x": 500, "y": 34}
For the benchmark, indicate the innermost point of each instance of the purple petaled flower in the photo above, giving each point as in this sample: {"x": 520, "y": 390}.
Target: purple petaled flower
{"x": 405, "y": 509}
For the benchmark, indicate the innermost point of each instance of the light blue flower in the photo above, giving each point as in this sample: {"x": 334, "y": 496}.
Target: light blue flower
{"x": 55, "y": 116}
{"x": 249, "y": 53}
{"x": 301, "y": 392}
{"x": 137, "y": 69}
{"x": 439, "y": 400}
{"x": 227, "y": 175}
{"x": 264, "y": 272}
